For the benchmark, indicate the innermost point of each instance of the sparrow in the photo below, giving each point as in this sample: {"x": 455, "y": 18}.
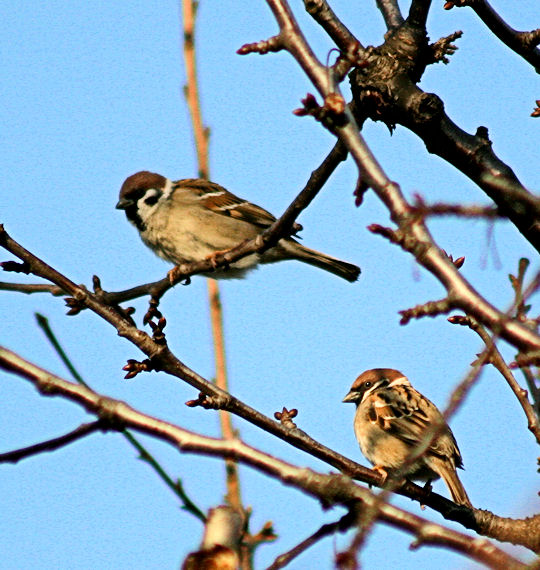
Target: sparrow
{"x": 391, "y": 418}
{"x": 194, "y": 219}
{"x": 223, "y": 531}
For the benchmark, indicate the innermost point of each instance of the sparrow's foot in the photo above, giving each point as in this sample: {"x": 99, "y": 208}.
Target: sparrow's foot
{"x": 172, "y": 274}
{"x": 213, "y": 257}
{"x": 382, "y": 471}
{"x": 179, "y": 273}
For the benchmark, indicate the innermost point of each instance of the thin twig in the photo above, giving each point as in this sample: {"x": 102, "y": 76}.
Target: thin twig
{"x": 144, "y": 454}
{"x": 32, "y": 288}
{"x": 175, "y": 486}
{"x": 43, "y": 323}
{"x": 200, "y": 132}
{"x": 495, "y": 358}
{"x": 325, "y": 530}
{"x": 523, "y": 43}
{"x": 53, "y": 444}
{"x": 323, "y": 14}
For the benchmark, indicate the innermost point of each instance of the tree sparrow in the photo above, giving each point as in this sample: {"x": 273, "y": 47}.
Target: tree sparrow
{"x": 391, "y": 418}
{"x": 192, "y": 219}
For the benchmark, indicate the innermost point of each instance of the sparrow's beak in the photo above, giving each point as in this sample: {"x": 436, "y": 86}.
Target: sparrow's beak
{"x": 124, "y": 204}
{"x": 350, "y": 397}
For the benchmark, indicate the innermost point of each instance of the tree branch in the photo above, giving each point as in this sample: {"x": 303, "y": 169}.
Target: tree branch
{"x": 32, "y": 288}
{"x": 385, "y": 90}
{"x": 161, "y": 358}
{"x": 201, "y": 135}
{"x": 342, "y": 525}
{"x": 391, "y": 13}
{"x": 418, "y": 13}
{"x": 53, "y": 444}
{"x": 330, "y": 489}
{"x": 323, "y": 14}
{"x": 417, "y": 239}
{"x": 495, "y": 358}
{"x": 523, "y": 43}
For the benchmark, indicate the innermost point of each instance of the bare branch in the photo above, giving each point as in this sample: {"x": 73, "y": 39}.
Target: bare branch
{"x": 53, "y": 444}
{"x": 323, "y": 14}
{"x": 164, "y": 360}
{"x": 497, "y": 360}
{"x": 443, "y": 47}
{"x": 386, "y": 90}
{"x": 32, "y": 288}
{"x": 417, "y": 239}
{"x": 523, "y": 43}
{"x": 200, "y": 132}
{"x": 429, "y": 309}
{"x": 330, "y": 489}
{"x": 342, "y": 525}
{"x": 440, "y": 209}
{"x": 418, "y": 13}
{"x": 391, "y": 13}
{"x": 262, "y": 47}
{"x": 176, "y": 486}
{"x": 216, "y": 317}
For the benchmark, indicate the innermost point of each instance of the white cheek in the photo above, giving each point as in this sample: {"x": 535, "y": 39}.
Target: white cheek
{"x": 145, "y": 210}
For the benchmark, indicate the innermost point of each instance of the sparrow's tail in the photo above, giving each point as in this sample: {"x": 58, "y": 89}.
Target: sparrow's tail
{"x": 300, "y": 252}
{"x": 459, "y": 495}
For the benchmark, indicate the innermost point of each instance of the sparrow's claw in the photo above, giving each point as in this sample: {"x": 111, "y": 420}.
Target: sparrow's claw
{"x": 212, "y": 257}
{"x": 173, "y": 273}
{"x": 382, "y": 471}
{"x": 428, "y": 487}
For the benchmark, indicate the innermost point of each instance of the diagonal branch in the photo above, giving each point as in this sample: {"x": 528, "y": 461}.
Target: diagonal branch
{"x": 386, "y": 90}
{"x": 323, "y": 14}
{"x": 495, "y": 358}
{"x": 282, "y": 227}
{"x": 161, "y": 358}
{"x": 391, "y": 13}
{"x": 330, "y": 489}
{"x": 53, "y": 444}
{"x": 176, "y": 486}
{"x": 523, "y": 43}
{"x": 416, "y": 237}
{"x": 342, "y": 525}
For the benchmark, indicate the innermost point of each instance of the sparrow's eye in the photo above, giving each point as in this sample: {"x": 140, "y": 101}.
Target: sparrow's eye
{"x": 368, "y": 384}
{"x": 151, "y": 197}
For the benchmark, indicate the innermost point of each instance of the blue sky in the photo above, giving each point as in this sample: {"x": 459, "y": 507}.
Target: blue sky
{"x": 91, "y": 93}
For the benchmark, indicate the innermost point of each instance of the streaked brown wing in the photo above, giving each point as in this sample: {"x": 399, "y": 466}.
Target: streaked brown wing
{"x": 223, "y": 202}
{"x": 402, "y": 417}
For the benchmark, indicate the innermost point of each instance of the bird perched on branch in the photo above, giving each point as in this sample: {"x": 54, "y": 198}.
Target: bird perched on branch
{"x": 194, "y": 219}
{"x": 391, "y": 421}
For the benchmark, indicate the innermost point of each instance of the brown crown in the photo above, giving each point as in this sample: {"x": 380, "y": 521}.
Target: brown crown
{"x": 141, "y": 181}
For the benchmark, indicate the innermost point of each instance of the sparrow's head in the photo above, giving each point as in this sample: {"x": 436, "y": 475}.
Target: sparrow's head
{"x": 140, "y": 195}
{"x": 372, "y": 380}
